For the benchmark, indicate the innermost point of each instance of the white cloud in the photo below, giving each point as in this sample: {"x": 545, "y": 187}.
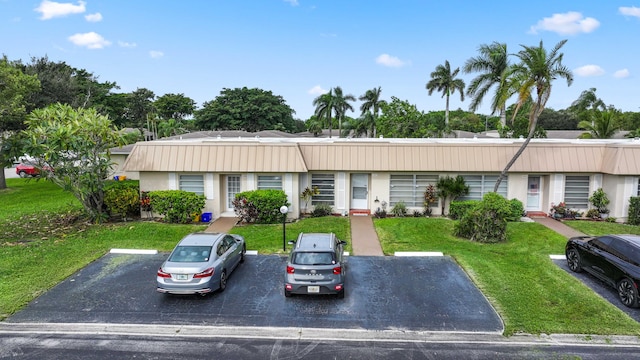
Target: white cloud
{"x": 390, "y": 61}
{"x": 51, "y": 9}
{"x": 570, "y": 23}
{"x": 156, "y": 54}
{"x": 621, "y": 74}
{"x": 630, "y": 11}
{"x": 317, "y": 90}
{"x": 292, "y": 2}
{"x": 90, "y": 40}
{"x": 125, "y": 44}
{"x": 97, "y": 17}
{"x": 589, "y": 70}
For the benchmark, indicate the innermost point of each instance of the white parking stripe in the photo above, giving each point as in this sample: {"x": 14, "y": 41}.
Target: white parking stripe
{"x": 558, "y": 257}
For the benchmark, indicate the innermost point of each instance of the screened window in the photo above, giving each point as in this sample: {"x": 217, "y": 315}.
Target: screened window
{"x": 638, "y": 192}
{"x": 410, "y": 189}
{"x": 192, "y": 183}
{"x": 269, "y": 182}
{"x": 325, "y": 183}
{"x": 482, "y": 184}
{"x": 576, "y": 192}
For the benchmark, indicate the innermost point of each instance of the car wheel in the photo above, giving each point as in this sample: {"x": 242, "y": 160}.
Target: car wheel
{"x": 287, "y": 293}
{"x": 573, "y": 260}
{"x": 340, "y": 294}
{"x": 22, "y": 174}
{"x": 223, "y": 280}
{"x": 244, "y": 251}
{"x": 628, "y": 292}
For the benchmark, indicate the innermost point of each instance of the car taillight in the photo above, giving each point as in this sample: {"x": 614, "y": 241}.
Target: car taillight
{"x": 204, "y": 274}
{"x": 163, "y": 274}
{"x": 337, "y": 270}
{"x": 290, "y": 269}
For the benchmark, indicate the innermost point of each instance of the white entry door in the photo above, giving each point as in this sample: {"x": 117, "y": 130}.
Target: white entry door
{"x": 233, "y": 187}
{"x": 533, "y": 193}
{"x": 359, "y": 191}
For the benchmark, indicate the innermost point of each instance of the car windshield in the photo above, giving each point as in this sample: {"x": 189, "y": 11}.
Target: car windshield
{"x": 191, "y": 254}
{"x": 313, "y": 258}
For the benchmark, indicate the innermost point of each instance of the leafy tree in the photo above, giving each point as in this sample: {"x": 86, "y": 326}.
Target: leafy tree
{"x": 444, "y": 80}
{"x": 492, "y": 64}
{"x": 341, "y": 105}
{"x": 72, "y": 149}
{"x": 174, "y": 106}
{"x": 358, "y": 127}
{"x": 400, "y": 119}
{"x": 140, "y": 108}
{"x": 371, "y": 104}
{"x": 603, "y": 124}
{"x": 630, "y": 120}
{"x": 15, "y": 90}
{"x": 324, "y": 108}
{"x": 62, "y": 83}
{"x": 314, "y": 125}
{"x": 245, "y": 109}
{"x": 536, "y": 71}
{"x": 170, "y": 127}
{"x": 585, "y": 104}
{"x": 551, "y": 119}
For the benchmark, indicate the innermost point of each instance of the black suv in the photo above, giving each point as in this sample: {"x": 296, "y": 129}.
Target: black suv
{"x": 316, "y": 266}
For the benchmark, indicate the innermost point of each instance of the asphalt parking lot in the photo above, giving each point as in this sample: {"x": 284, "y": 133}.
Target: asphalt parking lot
{"x": 412, "y": 293}
{"x": 607, "y": 292}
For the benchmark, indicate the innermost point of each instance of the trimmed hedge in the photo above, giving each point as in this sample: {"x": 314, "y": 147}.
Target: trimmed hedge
{"x": 177, "y": 206}
{"x": 260, "y": 206}
{"x": 122, "y": 198}
{"x": 457, "y": 209}
{"x": 634, "y": 211}
{"x": 487, "y": 221}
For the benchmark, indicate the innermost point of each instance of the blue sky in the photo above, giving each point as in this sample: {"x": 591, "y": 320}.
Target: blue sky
{"x": 299, "y": 49}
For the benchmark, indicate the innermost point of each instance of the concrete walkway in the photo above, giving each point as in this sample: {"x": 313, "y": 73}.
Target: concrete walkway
{"x": 557, "y": 226}
{"x": 222, "y": 225}
{"x": 364, "y": 239}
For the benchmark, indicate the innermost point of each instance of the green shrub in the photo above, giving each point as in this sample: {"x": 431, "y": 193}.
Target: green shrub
{"x": 593, "y": 214}
{"x": 457, "y": 209}
{"x": 399, "y": 209}
{"x": 122, "y": 198}
{"x": 321, "y": 210}
{"x": 487, "y": 221}
{"x": 260, "y": 206}
{"x": 516, "y": 210}
{"x": 177, "y": 206}
{"x": 633, "y": 217}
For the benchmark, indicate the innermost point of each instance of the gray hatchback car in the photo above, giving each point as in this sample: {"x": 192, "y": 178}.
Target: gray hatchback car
{"x": 316, "y": 266}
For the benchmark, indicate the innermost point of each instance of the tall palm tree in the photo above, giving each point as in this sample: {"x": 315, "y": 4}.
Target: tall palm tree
{"x": 341, "y": 105}
{"x": 537, "y": 70}
{"x": 324, "y": 107}
{"x": 444, "y": 80}
{"x": 372, "y": 104}
{"x": 603, "y": 125}
{"x": 492, "y": 64}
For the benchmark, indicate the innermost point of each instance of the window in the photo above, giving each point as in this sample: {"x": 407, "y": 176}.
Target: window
{"x": 192, "y": 183}
{"x": 638, "y": 190}
{"x": 266, "y": 182}
{"x": 325, "y": 183}
{"x": 410, "y": 189}
{"x": 482, "y": 184}
{"x": 576, "y": 192}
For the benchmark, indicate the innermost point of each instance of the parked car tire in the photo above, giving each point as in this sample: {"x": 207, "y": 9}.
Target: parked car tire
{"x": 573, "y": 260}
{"x": 23, "y": 174}
{"x": 223, "y": 280}
{"x": 340, "y": 295}
{"x": 628, "y": 293}
{"x": 242, "y": 254}
{"x": 287, "y": 293}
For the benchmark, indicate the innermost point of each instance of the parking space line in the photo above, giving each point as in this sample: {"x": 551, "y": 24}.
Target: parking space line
{"x": 558, "y": 257}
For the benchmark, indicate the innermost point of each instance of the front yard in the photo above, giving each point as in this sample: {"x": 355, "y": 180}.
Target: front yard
{"x": 530, "y": 293}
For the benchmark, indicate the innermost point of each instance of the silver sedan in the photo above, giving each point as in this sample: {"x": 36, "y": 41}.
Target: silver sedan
{"x": 201, "y": 263}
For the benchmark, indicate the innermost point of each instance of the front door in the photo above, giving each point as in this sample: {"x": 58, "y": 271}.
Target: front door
{"x": 359, "y": 191}
{"x": 233, "y": 187}
{"x": 533, "y": 193}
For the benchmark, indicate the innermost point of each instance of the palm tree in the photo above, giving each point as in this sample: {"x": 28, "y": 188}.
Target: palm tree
{"x": 492, "y": 64}
{"x": 444, "y": 80}
{"x": 341, "y": 105}
{"x": 535, "y": 73}
{"x": 603, "y": 125}
{"x": 324, "y": 107}
{"x": 372, "y": 104}
{"x": 358, "y": 127}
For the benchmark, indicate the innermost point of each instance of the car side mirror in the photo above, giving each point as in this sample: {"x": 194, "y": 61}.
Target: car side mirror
{"x": 291, "y": 242}
{"x": 342, "y": 242}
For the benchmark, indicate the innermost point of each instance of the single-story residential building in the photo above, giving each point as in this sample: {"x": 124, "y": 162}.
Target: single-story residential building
{"x": 361, "y": 174}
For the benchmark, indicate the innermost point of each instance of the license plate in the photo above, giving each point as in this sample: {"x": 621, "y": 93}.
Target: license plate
{"x": 182, "y": 277}
{"x": 313, "y": 289}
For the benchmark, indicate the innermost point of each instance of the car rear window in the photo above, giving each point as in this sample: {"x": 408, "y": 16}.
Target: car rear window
{"x": 191, "y": 254}
{"x": 313, "y": 258}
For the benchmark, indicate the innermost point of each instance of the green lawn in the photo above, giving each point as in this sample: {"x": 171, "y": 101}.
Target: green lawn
{"x": 531, "y": 294}
{"x": 597, "y": 228}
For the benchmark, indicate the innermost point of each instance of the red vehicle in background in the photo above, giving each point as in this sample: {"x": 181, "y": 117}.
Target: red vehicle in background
{"x": 24, "y": 170}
